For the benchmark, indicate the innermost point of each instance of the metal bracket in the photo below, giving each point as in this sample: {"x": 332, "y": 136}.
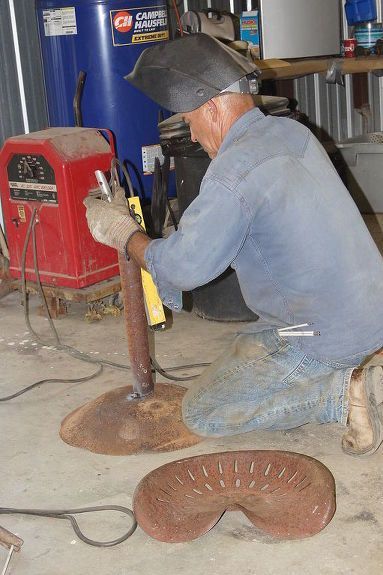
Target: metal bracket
{"x": 334, "y": 73}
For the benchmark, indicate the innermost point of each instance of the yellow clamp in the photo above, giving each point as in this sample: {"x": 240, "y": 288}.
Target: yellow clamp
{"x": 153, "y": 304}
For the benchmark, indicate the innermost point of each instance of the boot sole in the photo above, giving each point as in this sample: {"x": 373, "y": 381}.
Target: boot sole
{"x": 374, "y": 395}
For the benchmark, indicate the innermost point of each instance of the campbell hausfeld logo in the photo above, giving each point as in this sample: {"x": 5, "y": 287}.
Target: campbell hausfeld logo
{"x": 139, "y": 25}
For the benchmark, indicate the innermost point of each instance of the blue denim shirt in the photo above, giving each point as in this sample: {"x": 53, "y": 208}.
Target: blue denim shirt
{"x": 272, "y": 206}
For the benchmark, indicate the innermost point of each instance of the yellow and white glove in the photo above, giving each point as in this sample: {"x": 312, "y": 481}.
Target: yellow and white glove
{"x": 111, "y": 223}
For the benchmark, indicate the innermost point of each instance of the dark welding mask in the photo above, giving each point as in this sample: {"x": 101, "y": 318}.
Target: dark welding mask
{"x": 183, "y": 74}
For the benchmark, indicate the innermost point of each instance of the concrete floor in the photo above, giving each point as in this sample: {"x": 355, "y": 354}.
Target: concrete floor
{"x": 39, "y": 470}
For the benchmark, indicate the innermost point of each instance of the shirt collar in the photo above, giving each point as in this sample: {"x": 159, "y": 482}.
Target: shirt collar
{"x": 240, "y": 127}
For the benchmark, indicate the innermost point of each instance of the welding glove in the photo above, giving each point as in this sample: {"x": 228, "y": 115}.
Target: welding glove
{"x": 111, "y": 223}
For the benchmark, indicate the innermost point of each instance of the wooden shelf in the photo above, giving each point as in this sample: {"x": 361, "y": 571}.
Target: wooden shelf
{"x": 289, "y": 69}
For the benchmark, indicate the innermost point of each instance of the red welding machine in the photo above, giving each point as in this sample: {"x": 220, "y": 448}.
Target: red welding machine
{"x": 52, "y": 171}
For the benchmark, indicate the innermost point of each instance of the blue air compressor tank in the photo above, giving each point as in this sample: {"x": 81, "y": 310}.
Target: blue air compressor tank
{"x": 104, "y": 39}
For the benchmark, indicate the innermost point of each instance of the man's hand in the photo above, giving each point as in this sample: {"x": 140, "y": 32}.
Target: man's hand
{"x": 111, "y": 223}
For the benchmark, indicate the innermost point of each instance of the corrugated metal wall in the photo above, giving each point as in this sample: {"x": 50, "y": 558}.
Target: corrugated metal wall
{"x": 332, "y": 108}
{"x": 22, "y": 99}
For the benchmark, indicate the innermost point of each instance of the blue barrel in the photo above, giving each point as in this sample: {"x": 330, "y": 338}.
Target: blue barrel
{"x": 104, "y": 40}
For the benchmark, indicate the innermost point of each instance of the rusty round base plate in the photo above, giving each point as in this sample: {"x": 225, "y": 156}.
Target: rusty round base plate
{"x": 113, "y": 424}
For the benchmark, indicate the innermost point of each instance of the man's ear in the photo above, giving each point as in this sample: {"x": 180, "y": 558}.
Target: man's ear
{"x": 212, "y": 109}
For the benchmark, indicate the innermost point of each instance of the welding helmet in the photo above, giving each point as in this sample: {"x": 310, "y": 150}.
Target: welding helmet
{"x": 182, "y": 74}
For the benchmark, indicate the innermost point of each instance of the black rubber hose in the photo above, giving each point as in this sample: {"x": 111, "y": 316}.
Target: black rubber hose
{"x": 68, "y": 514}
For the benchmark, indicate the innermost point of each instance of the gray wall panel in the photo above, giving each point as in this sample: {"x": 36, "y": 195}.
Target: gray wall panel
{"x": 376, "y": 102}
{"x": 24, "y": 109}
{"x": 11, "y": 121}
{"x": 31, "y": 63}
{"x": 332, "y": 109}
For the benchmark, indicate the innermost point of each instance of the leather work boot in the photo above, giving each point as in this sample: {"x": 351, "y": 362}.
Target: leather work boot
{"x": 365, "y": 415}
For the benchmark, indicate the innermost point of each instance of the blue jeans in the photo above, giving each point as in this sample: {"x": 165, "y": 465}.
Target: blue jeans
{"x": 263, "y": 382}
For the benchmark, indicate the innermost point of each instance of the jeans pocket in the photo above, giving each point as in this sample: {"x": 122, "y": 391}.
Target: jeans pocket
{"x": 299, "y": 371}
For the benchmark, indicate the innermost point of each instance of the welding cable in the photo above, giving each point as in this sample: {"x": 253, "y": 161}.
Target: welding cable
{"x": 58, "y": 344}
{"x": 116, "y": 180}
{"x": 69, "y": 349}
{"x": 68, "y": 514}
{"x": 172, "y": 215}
{"x": 164, "y": 373}
{"x": 83, "y": 356}
{"x": 30, "y": 230}
{"x": 52, "y": 380}
{"x": 77, "y": 354}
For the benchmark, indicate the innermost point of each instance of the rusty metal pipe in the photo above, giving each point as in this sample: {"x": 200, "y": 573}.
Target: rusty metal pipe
{"x": 136, "y": 327}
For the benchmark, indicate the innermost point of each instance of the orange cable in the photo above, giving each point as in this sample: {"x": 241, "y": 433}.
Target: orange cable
{"x": 175, "y": 8}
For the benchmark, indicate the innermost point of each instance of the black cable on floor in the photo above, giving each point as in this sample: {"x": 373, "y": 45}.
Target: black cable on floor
{"x": 162, "y": 372}
{"x": 51, "y": 380}
{"x": 73, "y": 351}
{"x": 66, "y": 348}
{"x": 68, "y": 514}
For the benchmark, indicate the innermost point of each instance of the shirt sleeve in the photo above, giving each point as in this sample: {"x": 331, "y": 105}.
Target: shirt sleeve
{"x": 210, "y": 234}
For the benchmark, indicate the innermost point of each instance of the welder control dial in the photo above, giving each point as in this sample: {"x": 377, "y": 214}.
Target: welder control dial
{"x": 31, "y": 178}
{"x": 30, "y": 168}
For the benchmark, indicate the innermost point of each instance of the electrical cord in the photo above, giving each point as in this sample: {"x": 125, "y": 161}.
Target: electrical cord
{"x": 51, "y": 380}
{"x": 171, "y": 213}
{"x": 162, "y": 372}
{"x": 116, "y": 163}
{"x": 68, "y": 514}
{"x": 69, "y": 349}
{"x": 73, "y": 351}
{"x": 58, "y": 344}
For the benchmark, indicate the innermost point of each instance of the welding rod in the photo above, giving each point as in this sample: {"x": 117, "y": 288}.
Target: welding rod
{"x": 298, "y": 333}
{"x": 7, "y": 561}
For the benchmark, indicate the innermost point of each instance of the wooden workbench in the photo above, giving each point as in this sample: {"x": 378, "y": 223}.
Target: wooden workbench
{"x": 289, "y": 69}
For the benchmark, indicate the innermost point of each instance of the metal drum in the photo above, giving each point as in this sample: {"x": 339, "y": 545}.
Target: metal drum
{"x": 104, "y": 39}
